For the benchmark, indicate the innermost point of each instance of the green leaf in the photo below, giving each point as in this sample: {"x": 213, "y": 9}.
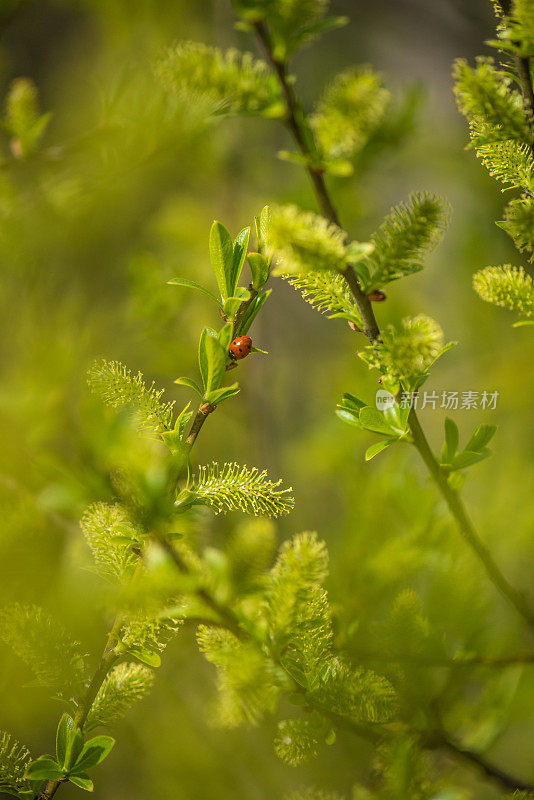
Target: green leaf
{"x": 225, "y": 336}
{"x": 193, "y": 285}
{"x": 349, "y": 409}
{"x": 481, "y": 437}
{"x": 94, "y": 752}
{"x": 397, "y": 418}
{"x": 144, "y": 655}
{"x": 216, "y": 363}
{"x": 259, "y": 269}
{"x": 377, "y": 448}
{"x": 221, "y": 256}
{"x": 373, "y": 420}
{"x": 451, "y": 440}
{"x": 218, "y": 395}
{"x": 182, "y": 419}
{"x": 65, "y": 729}
{"x": 82, "y": 782}
{"x": 191, "y": 384}
{"x": 349, "y": 417}
{"x": 238, "y": 257}
{"x": 203, "y": 361}
{"x": 232, "y": 304}
{"x": 467, "y": 458}
{"x": 352, "y": 403}
{"x": 44, "y": 768}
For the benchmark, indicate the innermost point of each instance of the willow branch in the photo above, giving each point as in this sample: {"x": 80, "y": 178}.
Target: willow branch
{"x": 376, "y": 733}
{"x": 298, "y": 125}
{"x": 107, "y": 660}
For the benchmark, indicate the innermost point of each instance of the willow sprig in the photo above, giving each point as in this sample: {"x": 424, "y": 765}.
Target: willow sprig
{"x": 229, "y": 487}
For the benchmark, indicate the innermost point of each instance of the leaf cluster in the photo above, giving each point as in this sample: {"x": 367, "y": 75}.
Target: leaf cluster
{"x": 73, "y": 756}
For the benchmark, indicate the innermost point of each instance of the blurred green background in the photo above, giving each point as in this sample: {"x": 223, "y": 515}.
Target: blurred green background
{"x": 89, "y": 234}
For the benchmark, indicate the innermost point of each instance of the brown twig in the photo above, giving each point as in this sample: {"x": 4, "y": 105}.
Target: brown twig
{"x": 200, "y": 418}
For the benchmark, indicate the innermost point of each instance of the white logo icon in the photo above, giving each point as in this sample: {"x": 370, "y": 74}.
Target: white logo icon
{"x": 384, "y": 400}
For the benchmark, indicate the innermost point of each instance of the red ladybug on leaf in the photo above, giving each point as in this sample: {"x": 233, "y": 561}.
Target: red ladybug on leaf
{"x": 240, "y": 347}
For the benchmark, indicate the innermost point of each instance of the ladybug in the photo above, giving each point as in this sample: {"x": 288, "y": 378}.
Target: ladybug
{"x": 240, "y": 347}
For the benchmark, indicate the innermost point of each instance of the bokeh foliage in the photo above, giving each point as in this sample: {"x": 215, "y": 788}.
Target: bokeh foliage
{"x": 116, "y": 201}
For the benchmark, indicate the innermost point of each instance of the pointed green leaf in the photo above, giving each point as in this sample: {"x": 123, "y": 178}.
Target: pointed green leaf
{"x": 349, "y": 417}
{"x": 451, "y": 440}
{"x": 232, "y": 304}
{"x": 225, "y": 336}
{"x": 82, "y": 782}
{"x": 396, "y": 418}
{"x": 216, "y": 363}
{"x": 377, "y": 448}
{"x": 94, "y": 752}
{"x": 206, "y": 334}
{"x": 218, "y": 395}
{"x": 481, "y": 437}
{"x": 467, "y": 458}
{"x": 352, "y": 403}
{"x": 193, "y": 285}
{"x": 146, "y": 656}
{"x": 221, "y": 256}
{"x": 259, "y": 269}
{"x": 182, "y": 419}
{"x": 191, "y": 384}
{"x": 65, "y": 728}
{"x": 44, "y": 768}
{"x": 240, "y": 247}
{"x": 373, "y": 420}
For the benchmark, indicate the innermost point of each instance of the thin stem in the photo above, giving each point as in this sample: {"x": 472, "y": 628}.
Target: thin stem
{"x": 107, "y": 660}
{"x": 523, "y": 70}
{"x": 109, "y": 657}
{"x": 200, "y": 418}
{"x": 449, "y": 663}
{"x": 227, "y": 618}
{"x": 296, "y": 121}
{"x": 467, "y": 530}
{"x": 441, "y": 741}
{"x": 298, "y": 125}
{"x": 522, "y": 65}
{"x": 376, "y": 733}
